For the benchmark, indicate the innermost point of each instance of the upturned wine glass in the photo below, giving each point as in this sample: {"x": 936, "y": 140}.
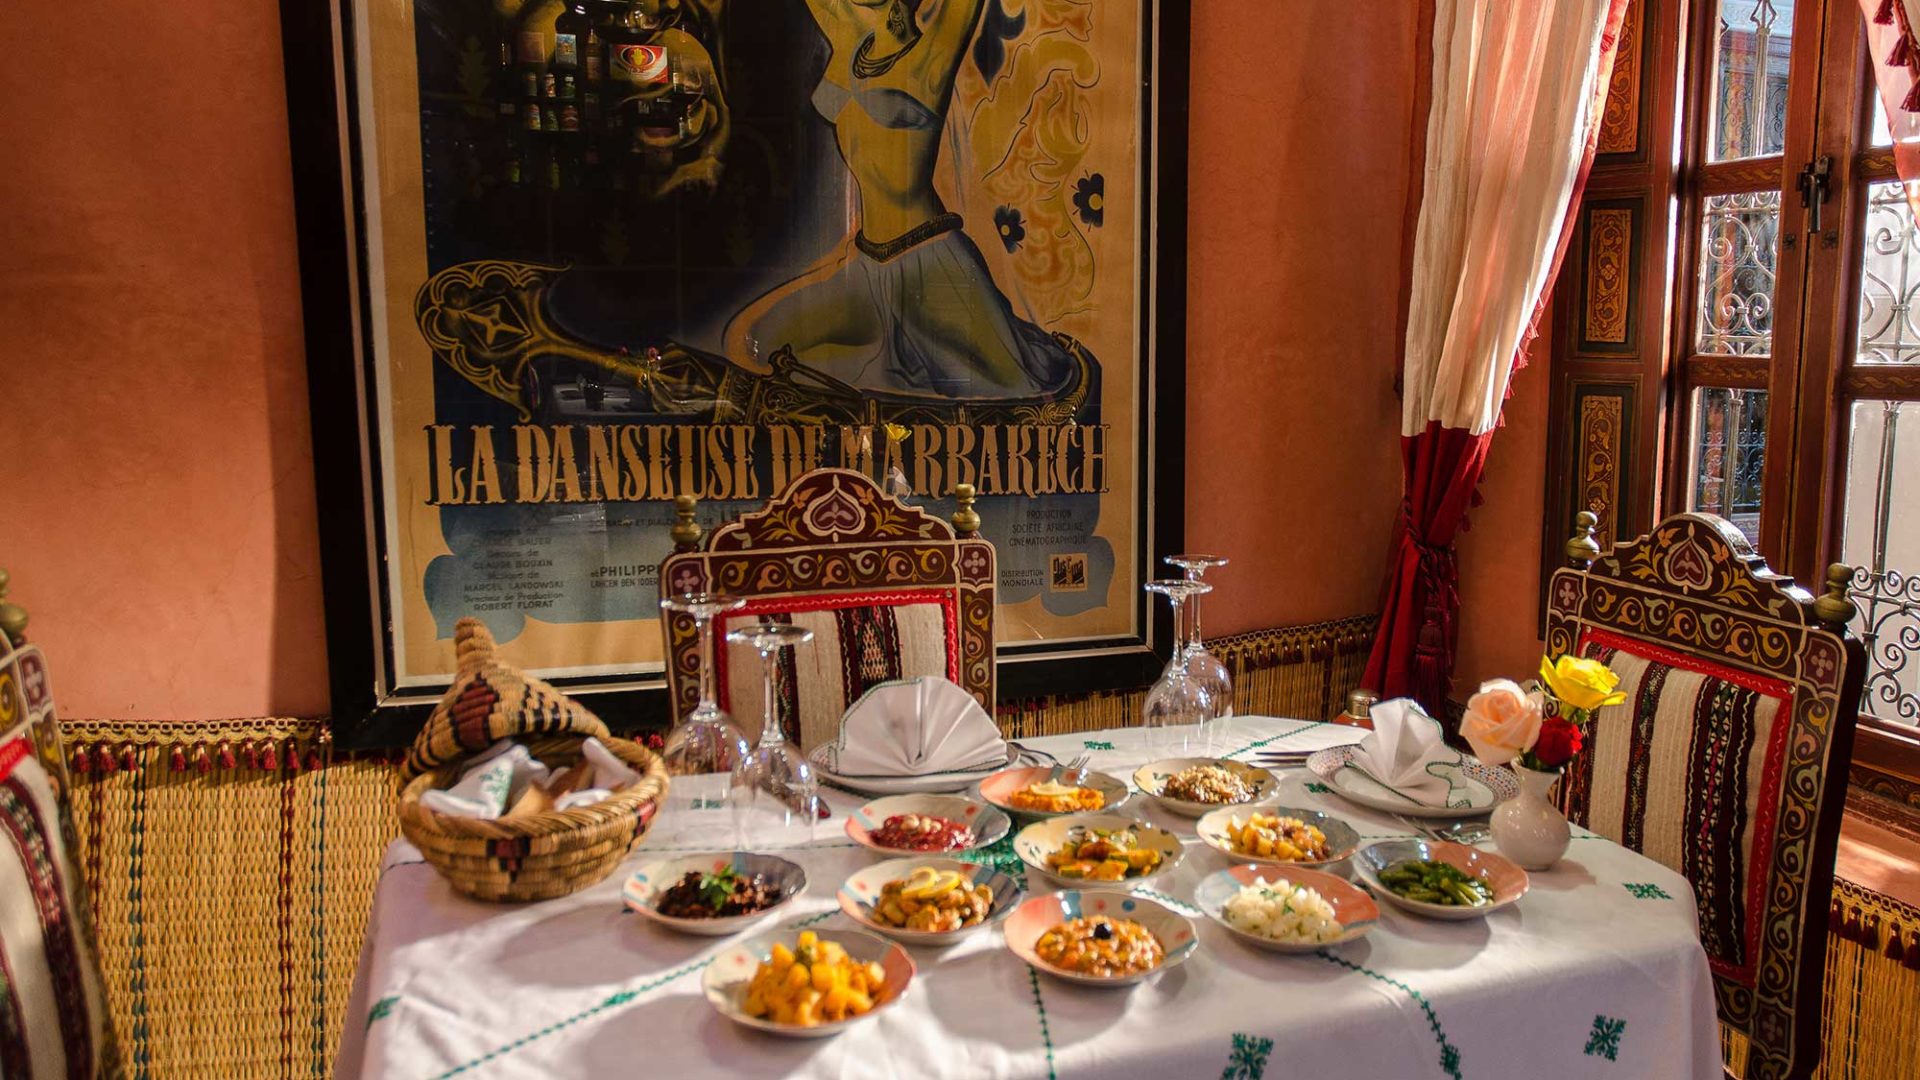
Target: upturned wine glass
{"x": 1179, "y": 708}
{"x": 706, "y": 740}
{"x": 1200, "y": 663}
{"x": 774, "y": 796}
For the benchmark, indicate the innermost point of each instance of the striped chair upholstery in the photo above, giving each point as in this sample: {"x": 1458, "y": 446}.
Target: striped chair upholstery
{"x": 889, "y": 591}
{"x": 1728, "y": 759}
{"x": 53, "y": 1019}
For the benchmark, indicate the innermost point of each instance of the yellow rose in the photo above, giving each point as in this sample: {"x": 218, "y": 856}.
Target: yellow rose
{"x": 1502, "y": 721}
{"x": 1580, "y": 683}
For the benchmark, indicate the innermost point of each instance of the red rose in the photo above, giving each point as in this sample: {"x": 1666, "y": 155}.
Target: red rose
{"x": 1557, "y": 743}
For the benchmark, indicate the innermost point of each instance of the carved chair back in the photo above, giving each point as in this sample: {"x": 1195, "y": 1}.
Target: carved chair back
{"x": 1728, "y": 760}
{"x": 889, "y": 590}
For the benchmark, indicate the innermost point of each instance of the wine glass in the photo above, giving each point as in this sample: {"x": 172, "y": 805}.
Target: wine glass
{"x": 706, "y": 740}
{"x": 774, "y": 794}
{"x": 1201, "y": 663}
{"x": 1179, "y": 707}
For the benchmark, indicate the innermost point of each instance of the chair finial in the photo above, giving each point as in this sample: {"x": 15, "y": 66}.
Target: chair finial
{"x": 686, "y": 532}
{"x": 965, "y": 521}
{"x": 13, "y": 617}
{"x": 1835, "y": 607}
{"x": 1582, "y": 549}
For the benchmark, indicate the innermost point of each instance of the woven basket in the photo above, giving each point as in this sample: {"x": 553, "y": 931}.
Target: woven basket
{"x": 536, "y": 856}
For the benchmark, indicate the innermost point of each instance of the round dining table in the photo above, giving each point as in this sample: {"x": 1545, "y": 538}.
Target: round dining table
{"x": 1596, "y": 972}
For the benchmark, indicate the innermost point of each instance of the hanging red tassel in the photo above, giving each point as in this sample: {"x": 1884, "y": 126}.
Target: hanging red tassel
{"x": 1911, "y": 103}
{"x": 293, "y": 757}
{"x": 129, "y": 757}
{"x": 250, "y": 754}
{"x": 1901, "y": 54}
{"x": 1885, "y": 15}
{"x": 1896, "y": 949}
{"x": 179, "y": 759}
{"x": 313, "y": 760}
{"x": 80, "y": 761}
{"x": 202, "y": 762}
{"x": 103, "y": 760}
{"x": 224, "y": 754}
{"x": 1912, "y": 961}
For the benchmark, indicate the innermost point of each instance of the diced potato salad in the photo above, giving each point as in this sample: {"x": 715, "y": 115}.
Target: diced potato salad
{"x": 815, "y": 982}
{"x": 1282, "y": 911}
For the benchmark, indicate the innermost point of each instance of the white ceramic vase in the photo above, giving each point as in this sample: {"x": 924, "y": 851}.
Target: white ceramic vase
{"x": 1530, "y": 829}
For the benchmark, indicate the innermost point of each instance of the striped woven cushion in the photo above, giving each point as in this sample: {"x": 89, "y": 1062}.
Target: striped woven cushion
{"x": 859, "y": 639}
{"x": 1687, "y": 771}
{"x": 52, "y": 1009}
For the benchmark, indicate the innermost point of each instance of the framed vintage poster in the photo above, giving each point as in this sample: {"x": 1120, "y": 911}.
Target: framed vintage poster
{"x": 565, "y": 260}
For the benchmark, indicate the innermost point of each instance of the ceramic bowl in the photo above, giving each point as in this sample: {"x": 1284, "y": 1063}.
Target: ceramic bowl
{"x": 861, "y": 891}
{"x": 1040, "y": 914}
{"x": 1042, "y": 838}
{"x": 1342, "y": 840}
{"x": 999, "y": 788}
{"x": 643, "y": 888}
{"x": 988, "y": 824}
{"x": 727, "y": 977}
{"x": 1508, "y": 881}
{"x": 1152, "y": 777}
{"x": 1355, "y": 910}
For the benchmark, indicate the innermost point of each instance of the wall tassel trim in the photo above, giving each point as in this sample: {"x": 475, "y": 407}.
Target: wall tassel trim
{"x": 1885, "y": 15}
{"x": 1873, "y": 987}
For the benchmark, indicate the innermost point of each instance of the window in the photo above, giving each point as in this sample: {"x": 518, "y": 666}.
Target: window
{"x": 1742, "y": 310}
{"x": 1797, "y": 409}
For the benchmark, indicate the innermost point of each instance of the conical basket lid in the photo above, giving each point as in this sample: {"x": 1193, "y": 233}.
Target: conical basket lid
{"x": 491, "y": 700}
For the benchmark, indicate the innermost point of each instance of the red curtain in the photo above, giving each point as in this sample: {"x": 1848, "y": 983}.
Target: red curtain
{"x": 1415, "y": 646}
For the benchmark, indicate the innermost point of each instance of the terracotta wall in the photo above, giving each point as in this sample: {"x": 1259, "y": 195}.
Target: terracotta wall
{"x": 154, "y": 454}
{"x": 1500, "y": 555}
{"x": 1300, "y": 175}
{"x": 153, "y": 429}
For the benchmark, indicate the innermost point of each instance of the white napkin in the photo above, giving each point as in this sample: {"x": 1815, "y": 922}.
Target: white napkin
{"x": 916, "y": 727}
{"x": 1408, "y": 752}
{"x": 610, "y": 774}
{"x": 491, "y": 782}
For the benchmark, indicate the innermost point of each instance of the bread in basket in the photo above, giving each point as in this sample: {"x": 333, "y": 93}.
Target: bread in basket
{"x": 534, "y": 856}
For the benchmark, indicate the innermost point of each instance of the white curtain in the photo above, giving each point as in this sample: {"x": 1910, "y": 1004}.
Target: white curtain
{"x": 1518, "y": 86}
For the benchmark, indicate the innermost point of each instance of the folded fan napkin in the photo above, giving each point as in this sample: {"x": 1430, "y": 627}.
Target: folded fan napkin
{"x": 489, "y": 784}
{"x": 916, "y": 727}
{"x": 1408, "y": 752}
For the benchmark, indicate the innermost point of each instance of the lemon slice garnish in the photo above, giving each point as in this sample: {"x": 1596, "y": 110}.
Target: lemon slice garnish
{"x": 926, "y": 883}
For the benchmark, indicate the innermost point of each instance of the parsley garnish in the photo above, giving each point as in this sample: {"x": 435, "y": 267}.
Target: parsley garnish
{"x": 717, "y": 888}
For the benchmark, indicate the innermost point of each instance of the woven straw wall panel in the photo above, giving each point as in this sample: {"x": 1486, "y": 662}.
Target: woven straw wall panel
{"x": 230, "y": 901}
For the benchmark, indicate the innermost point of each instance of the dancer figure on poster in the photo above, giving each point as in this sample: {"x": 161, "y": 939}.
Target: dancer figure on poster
{"x": 906, "y": 304}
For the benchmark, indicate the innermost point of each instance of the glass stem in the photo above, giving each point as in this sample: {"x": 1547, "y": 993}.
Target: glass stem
{"x": 1193, "y": 625}
{"x": 1179, "y": 625}
{"x": 770, "y": 733}
{"x": 707, "y": 702}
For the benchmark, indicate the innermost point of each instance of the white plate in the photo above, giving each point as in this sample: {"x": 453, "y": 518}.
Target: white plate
{"x": 1152, "y": 776}
{"x": 1486, "y": 787}
{"x": 1035, "y": 842}
{"x": 905, "y": 785}
{"x": 644, "y": 886}
{"x": 727, "y": 977}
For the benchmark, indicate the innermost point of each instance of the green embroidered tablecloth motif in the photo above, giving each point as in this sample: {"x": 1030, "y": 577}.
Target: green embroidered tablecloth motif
{"x": 1319, "y": 789}
{"x": 1249, "y": 1058}
{"x": 382, "y": 1008}
{"x": 1096, "y": 744}
{"x": 1604, "y": 1039}
{"x": 1647, "y": 890}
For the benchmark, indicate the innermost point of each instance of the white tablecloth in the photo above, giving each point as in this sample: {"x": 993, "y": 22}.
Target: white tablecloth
{"x": 1596, "y": 973}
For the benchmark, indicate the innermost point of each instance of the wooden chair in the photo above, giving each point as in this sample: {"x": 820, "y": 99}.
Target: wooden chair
{"x": 1728, "y": 761}
{"x": 53, "y": 1009}
{"x": 889, "y": 591}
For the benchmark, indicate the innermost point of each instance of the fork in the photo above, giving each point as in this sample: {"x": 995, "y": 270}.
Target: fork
{"x": 1076, "y": 770}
